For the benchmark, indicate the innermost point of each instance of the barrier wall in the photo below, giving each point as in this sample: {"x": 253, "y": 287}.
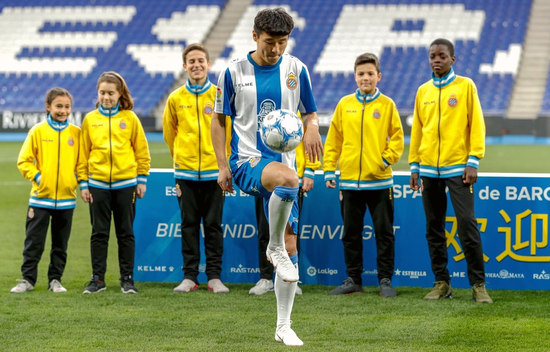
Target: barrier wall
{"x": 512, "y": 212}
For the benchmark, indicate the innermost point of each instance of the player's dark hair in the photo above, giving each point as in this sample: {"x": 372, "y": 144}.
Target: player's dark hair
{"x": 195, "y": 46}
{"x": 447, "y": 43}
{"x": 275, "y": 22}
{"x": 126, "y": 100}
{"x": 367, "y": 58}
{"x": 54, "y": 93}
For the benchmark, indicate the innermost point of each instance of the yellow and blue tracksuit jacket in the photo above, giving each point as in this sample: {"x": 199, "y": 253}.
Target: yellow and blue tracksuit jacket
{"x": 114, "y": 152}
{"x": 50, "y": 152}
{"x": 448, "y": 131}
{"x": 366, "y": 136}
{"x": 186, "y": 128}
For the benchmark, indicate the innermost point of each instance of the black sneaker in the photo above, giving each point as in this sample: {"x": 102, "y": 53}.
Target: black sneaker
{"x": 127, "y": 285}
{"x": 96, "y": 285}
{"x": 386, "y": 290}
{"x": 348, "y": 287}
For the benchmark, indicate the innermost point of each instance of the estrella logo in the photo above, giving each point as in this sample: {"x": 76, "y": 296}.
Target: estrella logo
{"x": 376, "y": 114}
{"x": 453, "y": 100}
{"x": 122, "y": 125}
{"x": 291, "y": 81}
{"x": 70, "y": 141}
{"x": 208, "y": 109}
{"x": 254, "y": 161}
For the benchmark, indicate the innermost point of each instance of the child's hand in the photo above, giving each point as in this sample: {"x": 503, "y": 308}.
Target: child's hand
{"x": 331, "y": 183}
{"x": 85, "y": 194}
{"x": 141, "y": 189}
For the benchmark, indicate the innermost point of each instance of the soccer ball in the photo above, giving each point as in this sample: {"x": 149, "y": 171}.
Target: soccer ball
{"x": 281, "y": 131}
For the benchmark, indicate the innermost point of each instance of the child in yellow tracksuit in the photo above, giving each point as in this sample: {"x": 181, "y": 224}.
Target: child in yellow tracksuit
{"x": 48, "y": 158}
{"x": 366, "y": 137}
{"x": 112, "y": 171}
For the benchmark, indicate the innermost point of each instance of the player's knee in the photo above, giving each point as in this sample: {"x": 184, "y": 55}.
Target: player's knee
{"x": 290, "y": 179}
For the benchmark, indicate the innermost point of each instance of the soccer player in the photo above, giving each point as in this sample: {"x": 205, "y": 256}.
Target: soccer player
{"x": 447, "y": 142}
{"x": 365, "y": 137}
{"x": 112, "y": 170}
{"x": 49, "y": 158}
{"x": 186, "y": 126}
{"x": 264, "y": 80}
{"x": 306, "y": 173}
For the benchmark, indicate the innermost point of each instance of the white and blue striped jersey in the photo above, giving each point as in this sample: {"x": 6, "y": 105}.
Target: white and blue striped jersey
{"x": 247, "y": 92}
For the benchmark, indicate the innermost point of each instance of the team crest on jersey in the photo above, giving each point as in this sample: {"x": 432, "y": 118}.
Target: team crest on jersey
{"x": 122, "y": 125}
{"x": 178, "y": 190}
{"x": 291, "y": 81}
{"x": 31, "y": 213}
{"x": 254, "y": 161}
{"x": 70, "y": 141}
{"x": 453, "y": 100}
{"x": 208, "y": 109}
{"x": 376, "y": 114}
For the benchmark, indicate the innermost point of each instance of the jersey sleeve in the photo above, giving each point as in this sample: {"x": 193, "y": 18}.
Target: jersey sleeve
{"x": 307, "y": 101}
{"x": 27, "y": 155}
{"x": 225, "y": 94}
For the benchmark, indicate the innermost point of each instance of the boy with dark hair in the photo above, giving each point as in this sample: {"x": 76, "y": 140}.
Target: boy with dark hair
{"x": 447, "y": 142}
{"x": 250, "y": 88}
{"x": 366, "y": 138}
{"x": 186, "y": 129}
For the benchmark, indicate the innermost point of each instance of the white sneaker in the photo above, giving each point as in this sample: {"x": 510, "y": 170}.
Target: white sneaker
{"x": 298, "y": 290}
{"x": 22, "y": 286}
{"x": 282, "y": 264}
{"x": 186, "y": 286}
{"x": 216, "y": 286}
{"x": 56, "y": 287}
{"x": 262, "y": 286}
{"x": 286, "y": 335}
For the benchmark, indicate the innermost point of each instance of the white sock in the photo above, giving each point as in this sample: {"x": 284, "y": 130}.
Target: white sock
{"x": 284, "y": 292}
{"x": 280, "y": 206}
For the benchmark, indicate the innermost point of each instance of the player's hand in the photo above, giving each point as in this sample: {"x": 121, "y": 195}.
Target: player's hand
{"x": 413, "y": 182}
{"x": 330, "y": 183}
{"x": 141, "y": 189}
{"x": 225, "y": 180}
{"x": 307, "y": 184}
{"x": 313, "y": 143}
{"x": 85, "y": 194}
{"x": 469, "y": 175}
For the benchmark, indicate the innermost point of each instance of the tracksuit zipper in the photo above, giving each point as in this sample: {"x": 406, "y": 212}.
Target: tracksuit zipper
{"x": 58, "y": 162}
{"x": 110, "y": 151}
{"x": 199, "y": 126}
{"x": 439, "y": 134}
{"x": 361, "y": 150}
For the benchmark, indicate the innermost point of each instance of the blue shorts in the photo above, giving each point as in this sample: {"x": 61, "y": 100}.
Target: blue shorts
{"x": 248, "y": 178}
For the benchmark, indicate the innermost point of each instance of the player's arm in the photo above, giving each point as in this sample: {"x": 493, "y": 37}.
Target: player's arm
{"x": 477, "y": 136}
{"x": 396, "y": 143}
{"x": 333, "y": 146}
{"x": 25, "y": 161}
{"x": 416, "y": 138}
{"x": 143, "y": 157}
{"x": 169, "y": 125}
{"x": 218, "y": 133}
{"x": 312, "y": 137}
{"x": 83, "y": 156}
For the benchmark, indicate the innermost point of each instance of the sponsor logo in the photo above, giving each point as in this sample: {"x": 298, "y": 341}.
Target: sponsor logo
{"x": 31, "y": 213}
{"x": 453, "y": 100}
{"x": 208, "y": 109}
{"x": 410, "y": 274}
{"x": 312, "y": 271}
{"x": 266, "y": 107}
{"x": 291, "y": 81}
{"x": 122, "y": 125}
{"x": 376, "y": 114}
{"x": 373, "y": 272}
{"x": 155, "y": 268}
{"x": 504, "y": 274}
{"x": 244, "y": 270}
{"x": 71, "y": 141}
{"x": 542, "y": 276}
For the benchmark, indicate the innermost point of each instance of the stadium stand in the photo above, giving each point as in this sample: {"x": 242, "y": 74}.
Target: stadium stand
{"x": 70, "y": 42}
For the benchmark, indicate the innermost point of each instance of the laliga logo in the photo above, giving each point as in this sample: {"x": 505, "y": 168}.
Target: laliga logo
{"x": 312, "y": 271}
